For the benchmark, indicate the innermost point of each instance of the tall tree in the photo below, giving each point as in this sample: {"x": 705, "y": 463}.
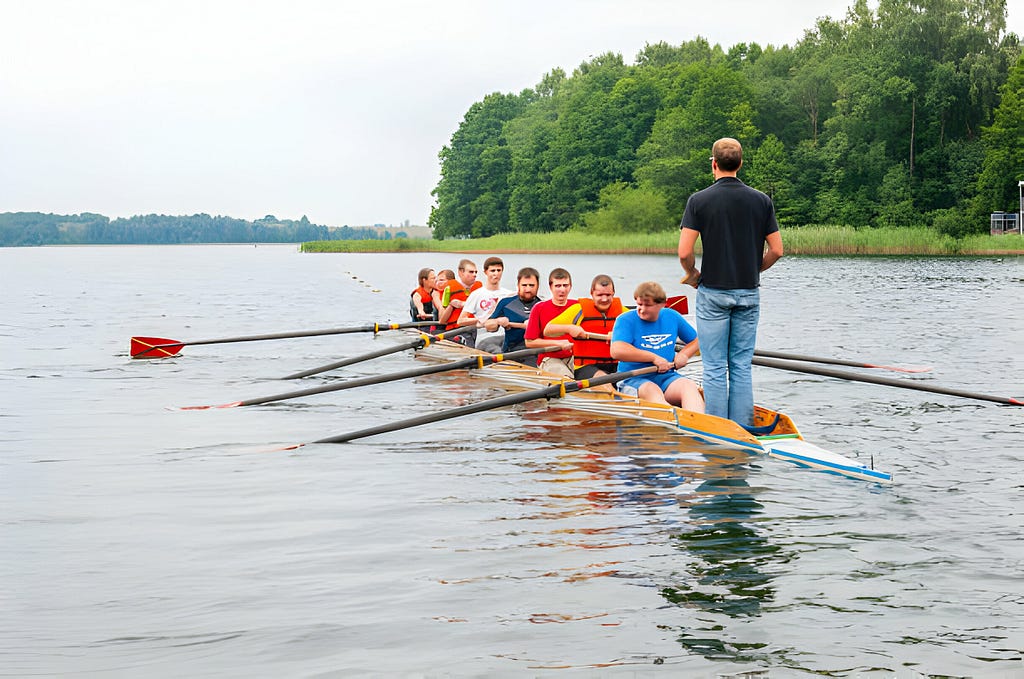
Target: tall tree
{"x": 674, "y": 159}
{"x": 1004, "y": 149}
{"x": 474, "y": 185}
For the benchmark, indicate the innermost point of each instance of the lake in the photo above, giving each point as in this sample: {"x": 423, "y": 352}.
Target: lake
{"x": 139, "y": 540}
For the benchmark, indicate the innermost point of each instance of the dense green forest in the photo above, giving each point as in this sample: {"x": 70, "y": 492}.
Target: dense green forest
{"x": 37, "y": 228}
{"x": 908, "y": 114}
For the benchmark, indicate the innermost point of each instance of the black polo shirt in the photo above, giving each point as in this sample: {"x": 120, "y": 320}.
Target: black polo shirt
{"x": 733, "y": 221}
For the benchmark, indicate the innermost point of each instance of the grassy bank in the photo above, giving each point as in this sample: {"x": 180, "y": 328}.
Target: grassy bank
{"x": 805, "y": 240}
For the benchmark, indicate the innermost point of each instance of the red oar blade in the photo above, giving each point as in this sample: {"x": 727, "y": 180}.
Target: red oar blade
{"x": 233, "y": 404}
{"x": 680, "y": 304}
{"x": 908, "y": 369}
{"x": 154, "y": 347}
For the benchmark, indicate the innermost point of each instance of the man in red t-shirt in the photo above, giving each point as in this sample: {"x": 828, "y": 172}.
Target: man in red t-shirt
{"x": 558, "y": 362}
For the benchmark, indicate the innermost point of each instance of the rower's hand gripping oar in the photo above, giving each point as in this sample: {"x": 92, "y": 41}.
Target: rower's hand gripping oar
{"x": 873, "y": 379}
{"x": 159, "y": 347}
{"x": 469, "y": 362}
{"x": 423, "y": 341}
{"x": 552, "y": 391}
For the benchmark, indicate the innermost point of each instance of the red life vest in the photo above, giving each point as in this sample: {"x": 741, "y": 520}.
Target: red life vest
{"x": 587, "y": 351}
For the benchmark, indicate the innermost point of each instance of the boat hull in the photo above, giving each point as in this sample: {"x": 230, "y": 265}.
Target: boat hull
{"x": 783, "y": 442}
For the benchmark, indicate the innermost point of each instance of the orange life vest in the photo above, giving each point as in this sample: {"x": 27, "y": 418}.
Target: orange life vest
{"x": 425, "y": 299}
{"x": 587, "y": 351}
{"x": 459, "y": 292}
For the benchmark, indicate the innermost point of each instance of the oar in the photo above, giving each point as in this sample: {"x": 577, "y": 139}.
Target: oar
{"x": 159, "y": 347}
{"x": 552, "y": 391}
{"x": 469, "y": 362}
{"x": 423, "y": 341}
{"x": 887, "y": 381}
{"x": 679, "y": 302}
{"x": 837, "y": 361}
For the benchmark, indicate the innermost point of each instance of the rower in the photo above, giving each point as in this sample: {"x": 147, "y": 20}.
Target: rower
{"x": 437, "y": 294}
{"x": 454, "y": 298}
{"x": 589, "y": 322}
{"x": 647, "y": 336}
{"x": 421, "y": 301}
{"x": 557, "y": 362}
{"x": 481, "y": 304}
{"x": 511, "y": 312}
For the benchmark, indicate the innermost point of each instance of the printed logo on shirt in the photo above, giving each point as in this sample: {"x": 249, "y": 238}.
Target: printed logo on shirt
{"x": 656, "y": 341}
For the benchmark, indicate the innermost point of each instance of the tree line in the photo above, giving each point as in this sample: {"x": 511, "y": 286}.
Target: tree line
{"x": 37, "y": 228}
{"x": 908, "y": 114}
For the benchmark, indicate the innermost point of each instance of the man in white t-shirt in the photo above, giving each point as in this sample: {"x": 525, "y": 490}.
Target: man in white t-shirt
{"x": 481, "y": 302}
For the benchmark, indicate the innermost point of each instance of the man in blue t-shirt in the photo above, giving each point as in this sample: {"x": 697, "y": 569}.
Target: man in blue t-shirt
{"x": 511, "y": 313}
{"x": 647, "y": 336}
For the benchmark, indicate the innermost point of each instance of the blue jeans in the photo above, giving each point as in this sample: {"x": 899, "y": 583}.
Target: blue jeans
{"x": 727, "y": 329}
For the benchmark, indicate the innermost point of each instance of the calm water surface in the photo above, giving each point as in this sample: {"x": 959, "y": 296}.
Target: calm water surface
{"x": 143, "y": 541}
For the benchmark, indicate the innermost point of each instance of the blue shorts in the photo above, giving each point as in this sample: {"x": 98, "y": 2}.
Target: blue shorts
{"x": 630, "y": 385}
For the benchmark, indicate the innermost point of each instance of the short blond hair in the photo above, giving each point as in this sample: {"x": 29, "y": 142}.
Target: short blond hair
{"x": 650, "y": 290}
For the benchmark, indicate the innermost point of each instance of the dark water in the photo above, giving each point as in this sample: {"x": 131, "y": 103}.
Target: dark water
{"x": 141, "y": 541}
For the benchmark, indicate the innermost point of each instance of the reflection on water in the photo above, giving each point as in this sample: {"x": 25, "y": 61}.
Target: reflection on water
{"x": 730, "y": 570}
{"x": 698, "y": 494}
{"x": 624, "y": 463}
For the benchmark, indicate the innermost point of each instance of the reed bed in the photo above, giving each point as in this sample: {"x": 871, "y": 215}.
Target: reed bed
{"x": 845, "y": 240}
{"x": 562, "y": 242}
{"x": 804, "y": 240}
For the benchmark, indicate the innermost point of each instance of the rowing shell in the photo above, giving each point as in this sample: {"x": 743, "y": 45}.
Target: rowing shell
{"x": 784, "y": 440}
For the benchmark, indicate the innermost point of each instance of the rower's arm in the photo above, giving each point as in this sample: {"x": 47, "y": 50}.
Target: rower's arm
{"x": 687, "y": 352}
{"x": 444, "y": 314}
{"x": 418, "y": 303}
{"x": 559, "y": 329}
{"x": 560, "y": 343}
{"x": 469, "y": 319}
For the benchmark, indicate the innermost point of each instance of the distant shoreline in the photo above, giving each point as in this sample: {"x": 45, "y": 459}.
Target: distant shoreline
{"x": 808, "y": 240}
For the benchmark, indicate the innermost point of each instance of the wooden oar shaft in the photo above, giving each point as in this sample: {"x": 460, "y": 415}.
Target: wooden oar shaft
{"x": 376, "y": 327}
{"x": 834, "y": 361}
{"x": 552, "y": 391}
{"x": 469, "y": 362}
{"x": 387, "y": 351}
{"x": 874, "y": 379}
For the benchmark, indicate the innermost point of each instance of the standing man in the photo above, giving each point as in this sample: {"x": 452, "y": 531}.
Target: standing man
{"x": 481, "y": 303}
{"x": 647, "y": 336}
{"x": 734, "y": 223}
{"x": 511, "y": 312}
{"x": 558, "y": 362}
{"x": 589, "y": 322}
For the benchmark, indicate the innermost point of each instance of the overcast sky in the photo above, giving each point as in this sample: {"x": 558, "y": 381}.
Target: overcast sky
{"x": 331, "y": 109}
